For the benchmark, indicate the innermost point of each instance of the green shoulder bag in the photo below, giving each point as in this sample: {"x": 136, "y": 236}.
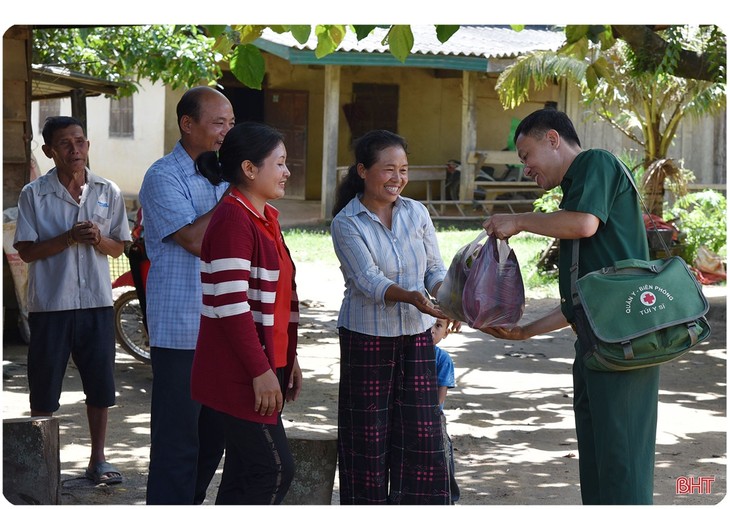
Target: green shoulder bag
{"x": 640, "y": 313}
{"x": 637, "y": 313}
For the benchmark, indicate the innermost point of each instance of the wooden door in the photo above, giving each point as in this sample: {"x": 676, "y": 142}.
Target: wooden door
{"x": 287, "y": 111}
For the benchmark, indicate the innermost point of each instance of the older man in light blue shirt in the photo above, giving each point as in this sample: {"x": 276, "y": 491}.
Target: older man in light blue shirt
{"x": 69, "y": 222}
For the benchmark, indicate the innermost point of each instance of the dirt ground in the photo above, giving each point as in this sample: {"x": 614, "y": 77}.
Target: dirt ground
{"x": 510, "y": 417}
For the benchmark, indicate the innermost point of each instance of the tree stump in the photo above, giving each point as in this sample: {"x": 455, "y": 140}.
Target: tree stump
{"x": 315, "y": 460}
{"x": 31, "y": 461}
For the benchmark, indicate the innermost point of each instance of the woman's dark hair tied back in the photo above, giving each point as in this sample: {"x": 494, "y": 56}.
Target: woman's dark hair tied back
{"x": 208, "y": 165}
{"x": 247, "y": 141}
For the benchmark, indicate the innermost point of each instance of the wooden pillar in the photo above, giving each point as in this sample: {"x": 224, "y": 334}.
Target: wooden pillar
{"x": 330, "y": 138}
{"x": 78, "y": 110}
{"x": 17, "y": 130}
{"x": 468, "y": 134}
{"x": 78, "y": 106}
{"x": 17, "y": 133}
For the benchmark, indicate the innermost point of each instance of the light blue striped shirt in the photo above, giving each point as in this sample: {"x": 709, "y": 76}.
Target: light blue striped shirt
{"x": 373, "y": 257}
{"x": 174, "y": 195}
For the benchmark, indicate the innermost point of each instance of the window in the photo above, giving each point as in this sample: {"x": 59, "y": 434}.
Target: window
{"x": 121, "y": 118}
{"x": 47, "y": 108}
{"x": 373, "y": 106}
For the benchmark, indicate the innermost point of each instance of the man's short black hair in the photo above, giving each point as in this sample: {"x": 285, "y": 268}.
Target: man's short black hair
{"x": 54, "y": 124}
{"x": 539, "y": 122}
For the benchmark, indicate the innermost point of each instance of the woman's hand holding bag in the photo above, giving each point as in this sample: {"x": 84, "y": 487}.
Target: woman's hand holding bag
{"x": 449, "y": 295}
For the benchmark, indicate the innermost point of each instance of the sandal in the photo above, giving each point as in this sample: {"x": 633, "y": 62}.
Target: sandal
{"x": 105, "y": 473}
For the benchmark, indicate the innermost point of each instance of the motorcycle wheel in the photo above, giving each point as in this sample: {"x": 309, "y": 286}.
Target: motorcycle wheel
{"x": 130, "y": 330}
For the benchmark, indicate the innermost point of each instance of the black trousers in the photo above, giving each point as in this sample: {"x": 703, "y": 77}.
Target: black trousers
{"x": 186, "y": 437}
{"x": 259, "y": 466}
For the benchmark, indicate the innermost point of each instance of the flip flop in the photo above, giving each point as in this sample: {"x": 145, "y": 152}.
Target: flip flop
{"x": 105, "y": 473}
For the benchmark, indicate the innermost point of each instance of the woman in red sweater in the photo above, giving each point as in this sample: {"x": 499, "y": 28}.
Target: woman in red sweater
{"x": 245, "y": 363}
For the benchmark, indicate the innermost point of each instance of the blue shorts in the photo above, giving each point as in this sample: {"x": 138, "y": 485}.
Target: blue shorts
{"x": 87, "y": 336}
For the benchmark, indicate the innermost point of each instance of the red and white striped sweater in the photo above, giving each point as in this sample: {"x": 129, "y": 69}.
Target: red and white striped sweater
{"x": 239, "y": 271}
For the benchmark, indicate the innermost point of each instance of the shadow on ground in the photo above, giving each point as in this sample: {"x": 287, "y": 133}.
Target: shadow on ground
{"x": 510, "y": 416}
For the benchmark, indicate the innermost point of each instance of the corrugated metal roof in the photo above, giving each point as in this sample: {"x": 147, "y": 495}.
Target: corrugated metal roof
{"x": 482, "y": 41}
{"x": 50, "y": 82}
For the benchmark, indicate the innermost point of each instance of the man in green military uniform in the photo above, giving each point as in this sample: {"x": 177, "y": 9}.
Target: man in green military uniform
{"x": 615, "y": 412}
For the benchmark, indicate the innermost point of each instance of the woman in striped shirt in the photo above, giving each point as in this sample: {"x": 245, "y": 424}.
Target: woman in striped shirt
{"x": 245, "y": 363}
{"x": 390, "y": 444}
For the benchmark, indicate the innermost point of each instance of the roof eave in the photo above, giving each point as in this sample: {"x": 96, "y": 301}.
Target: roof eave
{"x": 307, "y": 57}
{"x": 49, "y": 83}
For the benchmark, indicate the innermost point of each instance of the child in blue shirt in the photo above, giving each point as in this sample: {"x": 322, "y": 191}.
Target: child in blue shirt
{"x": 446, "y": 381}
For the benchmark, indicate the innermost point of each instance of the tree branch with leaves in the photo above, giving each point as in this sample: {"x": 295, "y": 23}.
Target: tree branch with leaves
{"x": 645, "y": 103}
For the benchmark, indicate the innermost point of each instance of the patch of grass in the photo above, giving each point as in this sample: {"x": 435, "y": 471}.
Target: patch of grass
{"x": 311, "y": 245}
{"x": 314, "y": 244}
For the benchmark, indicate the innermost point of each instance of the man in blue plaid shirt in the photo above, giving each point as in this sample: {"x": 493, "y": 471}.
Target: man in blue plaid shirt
{"x": 186, "y": 439}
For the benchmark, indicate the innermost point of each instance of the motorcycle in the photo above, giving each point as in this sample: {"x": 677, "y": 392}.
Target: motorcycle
{"x": 130, "y": 320}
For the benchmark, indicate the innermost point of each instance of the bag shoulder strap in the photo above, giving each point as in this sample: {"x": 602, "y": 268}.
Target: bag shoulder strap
{"x": 574, "y": 272}
{"x": 576, "y": 242}
{"x": 643, "y": 204}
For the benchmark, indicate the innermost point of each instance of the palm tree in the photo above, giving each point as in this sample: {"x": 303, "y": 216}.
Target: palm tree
{"x": 645, "y": 105}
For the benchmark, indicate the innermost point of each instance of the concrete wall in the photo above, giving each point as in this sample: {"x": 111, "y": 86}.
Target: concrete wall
{"x": 123, "y": 160}
{"x": 172, "y": 130}
{"x": 429, "y": 112}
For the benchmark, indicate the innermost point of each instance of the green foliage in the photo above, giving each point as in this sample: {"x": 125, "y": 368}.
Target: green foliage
{"x": 624, "y": 85}
{"x": 549, "y": 201}
{"x": 175, "y": 55}
{"x": 596, "y": 34}
{"x": 301, "y": 33}
{"x": 702, "y": 219}
{"x": 715, "y": 52}
{"x": 400, "y": 40}
{"x": 362, "y": 31}
{"x": 444, "y": 32}
{"x": 329, "y": 38}
{"x": 534, "y": 72}
{"x": 187, "y": 54}
{"x": 248, "y": 66}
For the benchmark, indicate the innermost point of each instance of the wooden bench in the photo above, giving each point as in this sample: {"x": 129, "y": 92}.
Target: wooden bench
{"x": 495, "y": 190}
{"x": 430, "y": 174}
{"x": 527, "y": 191}
{"x": 471, "y": 209}
{"x": 486, "y": 157}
